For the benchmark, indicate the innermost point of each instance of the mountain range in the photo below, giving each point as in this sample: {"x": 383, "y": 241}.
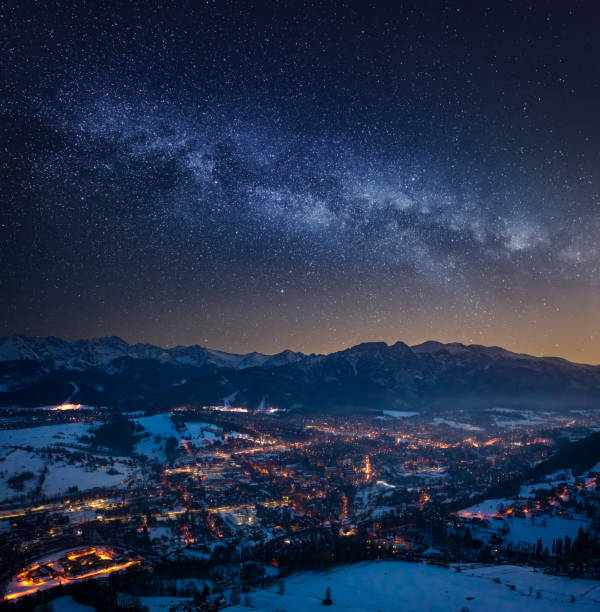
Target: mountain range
{"x": 111, "y": 372}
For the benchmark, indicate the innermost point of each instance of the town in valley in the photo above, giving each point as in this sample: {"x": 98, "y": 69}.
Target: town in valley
{"x": 206, "y": 503}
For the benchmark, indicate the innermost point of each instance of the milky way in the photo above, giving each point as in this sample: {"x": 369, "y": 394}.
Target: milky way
{"x": 300, "y": 176}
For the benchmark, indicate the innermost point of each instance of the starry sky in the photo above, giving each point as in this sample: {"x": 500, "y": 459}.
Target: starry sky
{"x": 270, "y": 175}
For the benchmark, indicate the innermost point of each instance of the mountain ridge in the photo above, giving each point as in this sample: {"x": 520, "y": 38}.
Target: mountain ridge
{"x": 426, "y": 346}
{"x": 109, "y": 371}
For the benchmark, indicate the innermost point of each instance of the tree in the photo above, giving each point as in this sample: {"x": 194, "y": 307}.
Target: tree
{"x": 567, "y": 546}
{"x": 468, "y": 537}
{"x": 538, "y": 548}
{"x": 119, "y": 434}
{"x": 171, "y": 449}
{"x": 235, "y": 595}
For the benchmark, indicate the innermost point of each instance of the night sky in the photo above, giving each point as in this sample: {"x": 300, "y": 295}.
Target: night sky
{"x": 260, "y": 176}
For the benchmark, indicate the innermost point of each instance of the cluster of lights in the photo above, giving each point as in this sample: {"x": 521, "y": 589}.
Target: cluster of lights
{"x": 64, "y": 407}
{"x": 226, "y": 409}
{"x": 25, "y": 578}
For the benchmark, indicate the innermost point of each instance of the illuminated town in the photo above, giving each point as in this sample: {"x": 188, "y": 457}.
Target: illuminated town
{"x": 200, "y": 492}
{"x": 300, "y": 306}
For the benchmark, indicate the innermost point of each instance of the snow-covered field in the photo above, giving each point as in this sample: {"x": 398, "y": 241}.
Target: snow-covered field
{"x": 163, "y": 604}
{"x": 369, "y": 498}
{"x": 485, "y": 509}
{"x": 61, "y": 477}
{"x": 399, "y": 414}
{"x": 466, "y": 426}
{"x": 19, "y": 455}
{"x": 65, "y": 434}
{"x": 161, "y": 426}
{"x": 68, "y": 604}
{"x": 546, "y": 529}
{"x": 15, "y": 461}
{"x": 514, "y": 419}
{"x": 526, "y": 530}
{"x": 199, "y": 432}
{"x": 22, "y": 452}
{"x": 392, "y": 586}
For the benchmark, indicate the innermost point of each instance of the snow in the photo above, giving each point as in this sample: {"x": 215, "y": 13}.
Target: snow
{"x": 527, "y": 530}
{"x": 560, "y": 476}
{"x": 196, "y": 554}
{"x": 160, "y": 427}
{"x": 163, "y": 604}
{"x": 64, "y": 434}
{"x": 596, "y": 468}
{"x": 158, "y": 424}
{"x": 76, "y": 390}
{"x": 485, "y": 509}
{"x": 18, "y": 461}
{"x": 428, "y": 473}
{"x": 366, "y": 495}
{"x": 230, "y": 398}
{"x": 455, "y": 425}
{"x": 102, "y": 351}
{"x": 393, "y": 585}
{"x": 160, "y": 533}
{"x": 399, "y": 414}
{"x": 518, "y": 423}
{"x": 550, "y": 480}
{"x": 16, "y": 588}
{"x": 68, "y": 604}
{"x": 552, "y": 586}
{"x": 203, "y": 431}
{"x": 514, "y": 419}
{"x": 530, "y": 490}
{"x": 382, "y": 511}
{"x": 61, "y": 477}
{"x": 524, "y": 530}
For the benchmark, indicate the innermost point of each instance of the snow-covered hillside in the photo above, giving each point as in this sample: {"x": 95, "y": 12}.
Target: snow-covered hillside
{"x": 101, "y": 352}
{"x": 396, "y": 377}
{"x": 391, "y": 586}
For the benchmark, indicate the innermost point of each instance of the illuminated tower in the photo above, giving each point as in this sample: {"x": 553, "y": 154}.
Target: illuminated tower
{"x": 344, "y": 513}
{"x": 368, "y": 467}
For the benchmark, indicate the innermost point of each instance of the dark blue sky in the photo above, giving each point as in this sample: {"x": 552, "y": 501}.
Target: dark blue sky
{"x": 293, "y": 175}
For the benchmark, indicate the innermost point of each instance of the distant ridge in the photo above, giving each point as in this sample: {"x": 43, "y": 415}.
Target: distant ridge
{"x": 101, "y": 351}
{"x": 18, "y": 346}
{"x": 109, "y": 371}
